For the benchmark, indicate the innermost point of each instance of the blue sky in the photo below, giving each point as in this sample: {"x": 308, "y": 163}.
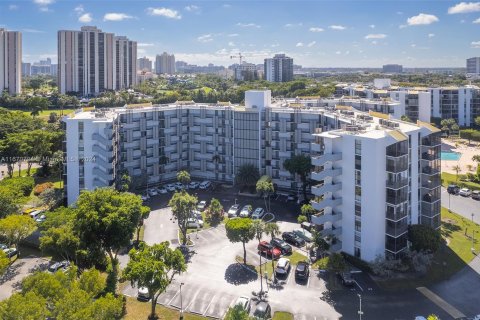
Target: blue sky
{"x": 357, "y": 33}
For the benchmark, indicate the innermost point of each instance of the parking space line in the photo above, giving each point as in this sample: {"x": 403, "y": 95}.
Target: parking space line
{"x": 169, "y": 302}
{"x": 208, "y": 306}
{"x": 448, "y": 308}
{"x": 308, "y": 279}
{"x": 358, "y": 285}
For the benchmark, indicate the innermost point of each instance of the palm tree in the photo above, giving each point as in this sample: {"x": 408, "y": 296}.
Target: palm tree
{"x": 457, "y": 171}
{"x": 259, "y": 228}
{"x": 247, "y": 175}
{"x": 266, "y": 188}
{"x": 302, "y": 165}
{"x": 272, "y": 229}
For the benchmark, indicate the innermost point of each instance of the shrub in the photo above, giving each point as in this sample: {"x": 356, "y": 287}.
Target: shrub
{"x": 424, "y": 238}
{"x": 302, "y": 218}
{"x": 39, "y": 188}
{"x": 357, "y": 262}
{"x": 23, "y": 185}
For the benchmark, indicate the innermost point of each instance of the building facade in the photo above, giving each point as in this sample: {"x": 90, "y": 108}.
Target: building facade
{"x": 165, "y": 63}
{"x": 10, "y": 61}
{"x": 91, "y": 61}
{"x": 245, "y": 72}
{"x": 473, "y": 66}
{"x": 144, "y": 64}
{"x": 26, "y": 69}
{"x": 278, "y": 69}
{"x": 392, "y": 68}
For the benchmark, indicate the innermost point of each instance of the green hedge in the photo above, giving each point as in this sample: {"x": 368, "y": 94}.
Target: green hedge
{"x": 451, "y": 178}
{"x": 357, "y": 262}
{"x": 470, "y": 134}
{"x": 23, "y": 185}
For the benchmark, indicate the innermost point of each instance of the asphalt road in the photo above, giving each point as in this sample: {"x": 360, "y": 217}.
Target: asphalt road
{"x": 461, "y": 205}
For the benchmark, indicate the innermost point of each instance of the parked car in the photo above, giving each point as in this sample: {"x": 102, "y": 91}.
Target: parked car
{"x": 304, "y": 234}
{"x": 196, "y": 214}
{"x": 263, "y": 311}
{"x": 346, "y": 278}
{"x": 179, "y": 186}
{"x": 453, "y": 189}
{"x": 145, "y": 197}
{"x": 193, "y": 185}
{"x": 205, "y": 185}
{"x": 233, "y": 211}
{"x": 244, "y": 302}
{"x": 282, "y": 267}
{"x": 465, "y": 192}
{"x": 3, "y": 246}
{"x": 292, "y": 238}
{"x": 246, "y": 211}
{"x": 41, "y": 219}
{"x": 268, "y": 250}
{"x": 170, "y": 187}
{"x": 58, "y": 266}
{"x": 302, "y": 270}
{"x": 281, "y": 245}
{"x": 258, "y": 213}
{"x": 307, "y": 226}
{"x": 143, "y": 294}
{"x": 194, "y": 223}
{"x": 11, "y": 253}
{"x": 202, "y": 205}
{"x": 152, "y": 192}
{"x": 292, "y": 197}
{"x": 162, "y": 190}
{"x": 476, "y": 194}
{"x": 35, "y": 214}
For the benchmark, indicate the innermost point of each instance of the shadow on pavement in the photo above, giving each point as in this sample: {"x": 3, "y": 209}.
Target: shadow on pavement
{"x": 237, "y": 273}
{"x": 11, "y": 272}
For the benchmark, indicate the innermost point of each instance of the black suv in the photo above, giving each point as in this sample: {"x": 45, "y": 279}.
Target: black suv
{"x": 302, "y": 271}
{"x": 281, "y": 245}
{"x": 292, "y": 238}
{"x": 346, "y": 278}
{"x": 453, "y": 189}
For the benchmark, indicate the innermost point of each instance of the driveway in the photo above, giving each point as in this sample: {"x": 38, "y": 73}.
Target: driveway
{"x": 13, "y": 277}
{"x": 462, "y": 205}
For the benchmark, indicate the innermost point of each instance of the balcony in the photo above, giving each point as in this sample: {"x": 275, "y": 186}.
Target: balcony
{"x": 432, "y": 141}
{"x": 319, "y": 176}
{"x": 431, "y": 182}
{"x": 327, "y": 157}
{"x": 103, "y": 140}
{"x": 325, "y": 203}
{"x": 397, "y": 184}
{"x": 430, "y": 171}
{"x": 336, "y": 247}
{"x": 429, "y": 156}
{"x": 102, "y": 174}
{"x": 397, "y": 199}
{"x": 321, "y": 189}
{"x": 316, "y": 147}
{"x": 429, "y": 209}
{"x": 323, "y": 218}
{"x": 396, "y": 229}
{"x": 332, "y": 232}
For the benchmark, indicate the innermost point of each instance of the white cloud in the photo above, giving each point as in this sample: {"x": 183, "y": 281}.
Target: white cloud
{"x": 374, "y": 42}
{"x": 275, "y": 45}
{"x": 299, "y": 44}
{"x": 464, "y": 7}
{"x": 192, "y": 8}
{"x": 376, "y": 36}
{"x": 145, "y": 44}
{"x": 477, "y": 21}
{"x": 226, "y": 5}
{"x": 337, "y": 27}
{"x": 422, "y": 19}
{"x": 231, "y": 44}
{"x": 164, "y": 12}
{"x": 205, "y": 38}
{"x": 338, "y": 52}
{"x": 399, "y": 13}
{"x": 475, "y": 44}
{"x": 413, "y": 45}
{"x": 12, "y": 7}
{"x": 115, "y": 16}
{"x": 79, "y": 9}
{"x": 85, "y": 18}
{"x": 27, "y": 30}
{"x": 233, "y": 35}
{"x": 372, "y": 26}
{"x": 311, "y": 44}
{"x": 316, "y": 29}
{"x": 44, "y": 2}
{"x": 142, "y": 51}
{"x": 248, "y": 25}
{"x": 431, "y": 35}
{"x": 293, "y": 25}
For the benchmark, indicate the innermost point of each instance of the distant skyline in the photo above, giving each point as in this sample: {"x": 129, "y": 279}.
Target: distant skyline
{"x": 313, "y": 33}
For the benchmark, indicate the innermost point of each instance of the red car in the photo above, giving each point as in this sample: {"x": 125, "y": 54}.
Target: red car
{"x": 268, "y": 250}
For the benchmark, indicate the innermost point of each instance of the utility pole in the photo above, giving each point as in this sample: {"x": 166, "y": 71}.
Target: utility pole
{"x": 360, "y": 312}
{"x": 181, "y": 302}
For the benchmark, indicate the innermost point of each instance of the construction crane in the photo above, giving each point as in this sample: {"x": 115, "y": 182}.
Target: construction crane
{"x": 239, "y": 56}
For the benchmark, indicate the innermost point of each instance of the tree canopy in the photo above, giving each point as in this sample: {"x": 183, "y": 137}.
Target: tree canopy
{"x": 302, "y": 165}
{"x": 247, "y": 175}
{"x": 240, "y": 230}
{"x": 182, "y": 205}
{"x": 15, "y": 228}
{"x": 424, "y": 238}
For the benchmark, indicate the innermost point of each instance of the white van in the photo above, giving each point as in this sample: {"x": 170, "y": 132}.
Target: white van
{"x": 35, "y": 214}
{"x": 205, "y": 185}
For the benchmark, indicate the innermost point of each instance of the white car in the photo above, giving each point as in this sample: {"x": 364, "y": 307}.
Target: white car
{"x": 144, "y": 197}
{"x": 202, "y": 205}
{"x": 196, "y": 214}
{"x": 246, "y": 211}
{"x": 194, "y": 223}
{"x": 162, "y": 190}
{"x": 244, "y": 302}
{"x": 193, "y": 185}
{"x": 152, "y": 192}
{"x": 35, "y": 214}
{"x": 283, "y": 266}
{"x": 233, "y": 211}
{"x": 41, "y": 218}
{"x": 170, "y": 187}
{"x": 465, "y": 192}
{"x": 258, "y": 213}
{"x": 143, "y": 294}
{"x": 179, "y": 186}
{"x": 205, "y": 185}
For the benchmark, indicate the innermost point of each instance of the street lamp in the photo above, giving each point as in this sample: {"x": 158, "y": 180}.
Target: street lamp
{"x": 360, "y": 312}
{"x": 181, "y": 302}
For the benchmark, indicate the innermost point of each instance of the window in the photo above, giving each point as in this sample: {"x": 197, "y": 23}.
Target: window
{"x": 358, "y": 179}
{"x": 358, "y": 209}
{"x": 358, "y": 225}
{"x": 358, "y": 193}
{"x": 358, "y": 147}
{"x": 358, "y": 162}
{"x": 357, "y": 252}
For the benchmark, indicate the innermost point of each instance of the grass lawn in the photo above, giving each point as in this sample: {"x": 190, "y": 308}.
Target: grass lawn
{"x": 450, "y": 258}
{"x": 138, "y": 310}
{"x": 451, "y": 178}
{"x": 44, "y": 114}
{"x": 280, "y": 315}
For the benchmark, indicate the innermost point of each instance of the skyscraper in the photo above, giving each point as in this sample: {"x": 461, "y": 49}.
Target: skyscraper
{"x": 473, "y": 66}
{"x": 165, "y": 63}
{"x": 144, "y": 64}
{"x": 10, "y": 61}
{"x": 392, "y": 68}
{"x": 279, "y": 68}
{"x": 91, "y": 61}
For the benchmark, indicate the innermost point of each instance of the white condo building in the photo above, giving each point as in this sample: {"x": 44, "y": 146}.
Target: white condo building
{"x": 165, "y": 63}
{"x": 153, "y": 142}
{"x": 10, "y": 61}
{"x": 91, "y": 61}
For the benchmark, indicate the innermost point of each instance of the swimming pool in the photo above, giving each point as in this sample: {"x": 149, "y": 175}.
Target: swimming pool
{"x": 450, "y": 156}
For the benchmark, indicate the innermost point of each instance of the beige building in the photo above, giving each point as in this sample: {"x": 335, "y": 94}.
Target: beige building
{"x": 165, "y": 63}
{"x": 10, "y": 61}
{"x": 91, "y": 61}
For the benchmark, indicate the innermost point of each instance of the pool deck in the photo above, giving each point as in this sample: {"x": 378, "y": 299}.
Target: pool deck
{"x": 467, "y": 151}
